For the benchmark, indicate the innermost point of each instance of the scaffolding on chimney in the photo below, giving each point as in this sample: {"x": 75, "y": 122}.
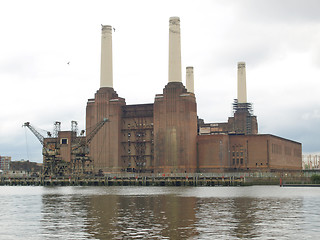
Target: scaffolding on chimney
{"x": 246, "y": 108}
{"x": 242, "y": 107}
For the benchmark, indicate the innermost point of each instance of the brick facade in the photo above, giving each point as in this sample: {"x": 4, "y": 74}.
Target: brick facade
{"x": 248, "y": 152}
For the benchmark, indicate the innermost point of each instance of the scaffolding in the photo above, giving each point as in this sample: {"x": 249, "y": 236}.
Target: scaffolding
{"x": 56, "y": 129}
{"x": 138, "y": 137}
{"x": 247, "y": 109}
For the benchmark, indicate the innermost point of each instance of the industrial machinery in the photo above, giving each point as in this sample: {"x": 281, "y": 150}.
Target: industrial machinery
{"x": 81, "y": 162}
{"x": 53, "y": 165}
{"x": 55, "y": 150}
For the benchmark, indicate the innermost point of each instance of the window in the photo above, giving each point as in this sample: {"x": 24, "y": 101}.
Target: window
{"x": 241, "y": 161}
{"x": 64, "y": 141}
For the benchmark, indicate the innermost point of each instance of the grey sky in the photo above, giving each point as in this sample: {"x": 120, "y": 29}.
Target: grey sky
{"x": 278, "y": 40}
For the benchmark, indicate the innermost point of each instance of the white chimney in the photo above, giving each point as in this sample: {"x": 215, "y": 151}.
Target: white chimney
{"x": 174, "y": 50}
{"x": 190, "y": 79}
{"x": 242, "y": 86}
{"x": 106, "y": 75}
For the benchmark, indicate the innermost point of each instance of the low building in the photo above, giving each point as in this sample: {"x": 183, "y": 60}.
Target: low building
{"x": 260, "y": 152}
{"x": 5, "y": 162}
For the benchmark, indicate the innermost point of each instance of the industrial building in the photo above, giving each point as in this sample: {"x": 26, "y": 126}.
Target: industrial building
{"x": 167, "y": 136}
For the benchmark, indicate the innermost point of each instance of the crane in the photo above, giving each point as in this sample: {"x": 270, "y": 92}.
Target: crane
{"x": 81, "y": 162}
{"x": 52, "y": 162}
{"x": 35, "y": 132}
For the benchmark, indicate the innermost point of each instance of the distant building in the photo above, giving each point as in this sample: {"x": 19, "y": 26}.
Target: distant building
{"x": 311, "y": 161}
{"x": 5, "y": 163}
{"x": 26, "y": 166}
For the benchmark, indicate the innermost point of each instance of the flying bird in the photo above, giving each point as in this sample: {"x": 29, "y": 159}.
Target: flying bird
{"x": 68, "y": 63}
{"x": 114, "y": 29}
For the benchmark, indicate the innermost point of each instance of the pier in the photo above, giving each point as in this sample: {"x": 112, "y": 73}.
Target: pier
{"x": 166, "y": 179}
{"x": 127, "y": 180}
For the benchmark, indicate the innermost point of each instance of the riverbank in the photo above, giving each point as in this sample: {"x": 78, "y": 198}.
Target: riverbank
{"x": 164, "y": 179}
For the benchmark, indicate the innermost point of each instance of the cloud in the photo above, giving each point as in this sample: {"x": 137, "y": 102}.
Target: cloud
{"x": 313, "y": 115}
{"x": 285, "y": 11}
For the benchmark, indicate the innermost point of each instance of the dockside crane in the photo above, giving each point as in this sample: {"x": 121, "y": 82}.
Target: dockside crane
{"x": 53, "y": 165}
{"x": 81, "y": 162}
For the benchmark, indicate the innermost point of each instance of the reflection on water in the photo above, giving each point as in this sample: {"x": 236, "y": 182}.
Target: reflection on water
{"x": 247, "y": 218}
{"x": 155, "y": 217}
{"x": 64, "y": 217}
{"x": 159, "y": 213}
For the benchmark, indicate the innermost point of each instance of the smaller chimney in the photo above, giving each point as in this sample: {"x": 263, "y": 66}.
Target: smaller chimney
{"x": 190, "y": 79}
{"x": 106, "y": 74}
{"x": 174, "y": 50}
{"x": 242, "y": 86}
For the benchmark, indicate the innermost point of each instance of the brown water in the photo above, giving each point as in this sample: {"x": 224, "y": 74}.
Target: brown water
{"x": 258, "y": 212}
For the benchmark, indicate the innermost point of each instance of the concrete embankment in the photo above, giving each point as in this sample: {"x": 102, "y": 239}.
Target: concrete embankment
{"x": 171, "y": 179}
{"x": 126, "y": 181}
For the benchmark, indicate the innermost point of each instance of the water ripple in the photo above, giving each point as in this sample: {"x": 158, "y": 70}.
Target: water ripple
{"x": 260, "y": 212}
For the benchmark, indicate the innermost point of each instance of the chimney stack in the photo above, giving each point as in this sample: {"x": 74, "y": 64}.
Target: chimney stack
{"x": 190, "y": 79}
{"x": 242, "y": 87}
{"x": 174, "y": 50}
{"x": 106, "y": 75}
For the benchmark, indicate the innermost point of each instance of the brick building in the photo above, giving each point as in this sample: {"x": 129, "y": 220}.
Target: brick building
{"x": 167, "y": 135}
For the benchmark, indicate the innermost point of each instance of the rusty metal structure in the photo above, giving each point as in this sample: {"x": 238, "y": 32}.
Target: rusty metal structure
{"x": 52, "y": 161}
{"x": 65, "y": 153}
{"x": 81, "y": 163}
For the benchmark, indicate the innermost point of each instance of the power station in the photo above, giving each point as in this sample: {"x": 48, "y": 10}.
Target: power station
{"x": 167, "y": 136}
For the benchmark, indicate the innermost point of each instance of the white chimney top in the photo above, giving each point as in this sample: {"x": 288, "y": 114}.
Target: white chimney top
{"x": 242, "y": 86}
{"x": 106, "y": 74}
{"x": 174, "y": 50}
{"x": 190, "y": 79}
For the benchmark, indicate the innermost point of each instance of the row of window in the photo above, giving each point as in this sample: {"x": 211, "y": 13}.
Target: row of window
{"x": 237, "y": 154}
{"x": 277, "y": 149}
{"x": 139, "y": 125}
{"x": 138, "y": 134}
{"x": 237, "y": 161}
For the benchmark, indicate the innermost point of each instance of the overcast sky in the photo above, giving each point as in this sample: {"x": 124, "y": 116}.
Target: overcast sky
{"x": 278, "y": 40}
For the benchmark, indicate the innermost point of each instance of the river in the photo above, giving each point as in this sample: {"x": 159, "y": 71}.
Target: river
{"x": 256, "y": 212}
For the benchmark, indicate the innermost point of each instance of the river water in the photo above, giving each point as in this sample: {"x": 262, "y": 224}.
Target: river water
{"x": 256, "y": 212}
